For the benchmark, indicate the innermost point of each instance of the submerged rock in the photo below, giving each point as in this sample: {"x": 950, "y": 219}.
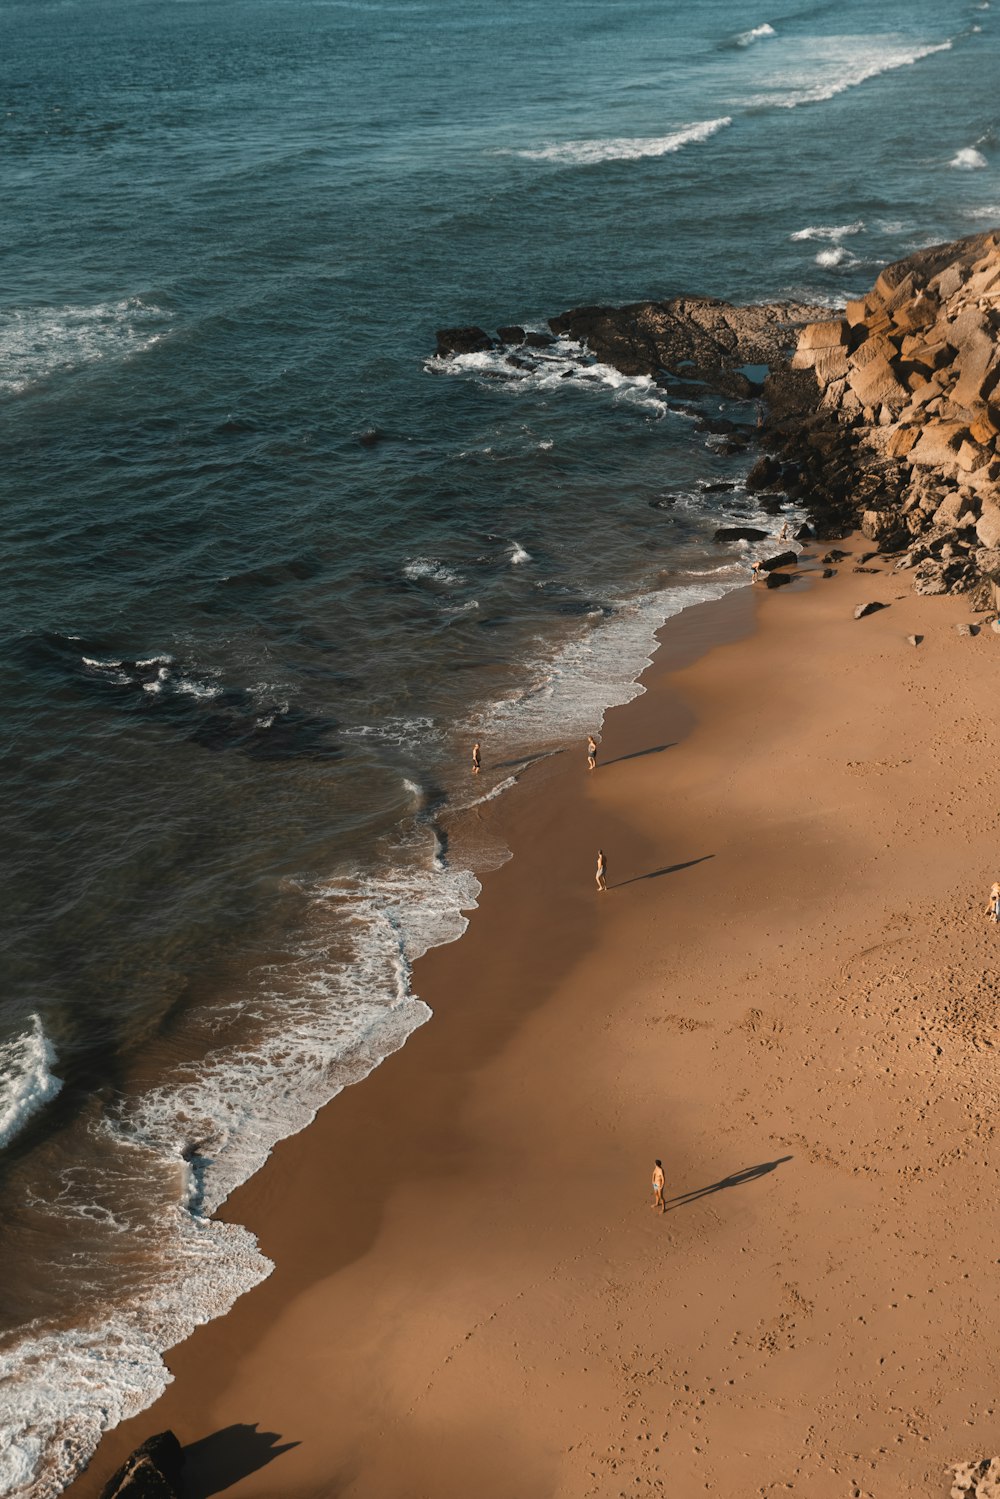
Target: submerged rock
{"x": 470, "y": 340}
{"x": 740, "y": 533}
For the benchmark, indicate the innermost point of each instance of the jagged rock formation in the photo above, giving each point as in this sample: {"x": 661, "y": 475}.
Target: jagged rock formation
{"x": 697, "y": 340}
{"x": 152, "y": 1472}
{"x": 896, "y": 426}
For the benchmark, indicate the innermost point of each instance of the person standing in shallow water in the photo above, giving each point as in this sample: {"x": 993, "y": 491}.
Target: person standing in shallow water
{"x": 591, "y": 752}
{"x": 602, "y": 870}
{"x": 476, "y": 761}
{"x": 659, "y": 1182}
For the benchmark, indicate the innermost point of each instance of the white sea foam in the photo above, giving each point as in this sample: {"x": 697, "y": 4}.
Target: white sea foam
{"x": 27, "y": 1083}
{"x": 757, "y": 34}
{"x": 570, "y": 693}
{"x": 968, "y": 159}
{"x": 39, "y": 342}
{"x": 833, "y": 64}
{"x": 625, "y": 148}
{"x": 829, "y": 231}
{"x": 832, "y": 257}
{"x": 313, "y": 1026}
{"x": 986, "y": 211}
{"x": 430, "y": 570}
{"x": 518, "y": 554}
{"x": 566, "y": 364}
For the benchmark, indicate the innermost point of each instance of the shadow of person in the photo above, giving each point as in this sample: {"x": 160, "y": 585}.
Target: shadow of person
{"x": 738, "y": 1179}
{"x": 654, "y": 749}
{"x": 215, "y": 1463}
{"x": 654, "y": 874}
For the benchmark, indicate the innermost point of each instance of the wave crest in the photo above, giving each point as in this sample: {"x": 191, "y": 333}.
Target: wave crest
{"x": 848, "y": 66}
{"x": 26, "y": 1080}
{"x": 626, "y": 148}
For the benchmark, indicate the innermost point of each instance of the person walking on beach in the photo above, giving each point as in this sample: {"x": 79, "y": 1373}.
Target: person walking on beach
{"x": 602, "y": 870}
{"x": 591, "y": 752}
{"x": 993, "y": 909}
{"x": 476, "y": 761}
{"x": 659, "y": 1182}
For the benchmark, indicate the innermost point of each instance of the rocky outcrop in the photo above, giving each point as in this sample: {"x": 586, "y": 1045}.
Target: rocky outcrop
{"x": 692, "y": 338}
{"x": 891, "y": 413}
{"x": 152, "y": 1472}
{"x": 470, "y": 340}
{"x": 977, "y": 1480}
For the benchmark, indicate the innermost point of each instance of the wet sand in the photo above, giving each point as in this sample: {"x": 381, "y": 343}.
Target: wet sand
{"x": 787, "y": 994}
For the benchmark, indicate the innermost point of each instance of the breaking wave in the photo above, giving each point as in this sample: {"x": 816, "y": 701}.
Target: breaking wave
{"x": 626, "y": 148}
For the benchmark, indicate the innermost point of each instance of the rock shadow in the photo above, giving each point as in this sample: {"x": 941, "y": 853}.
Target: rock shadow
{"x": 217, "y": 1462}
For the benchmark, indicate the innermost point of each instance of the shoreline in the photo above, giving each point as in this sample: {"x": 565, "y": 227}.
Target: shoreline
{"x": 409, "y": 1152}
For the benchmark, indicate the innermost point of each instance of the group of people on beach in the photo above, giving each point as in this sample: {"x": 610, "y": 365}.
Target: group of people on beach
{"x": 659, "y": 1179}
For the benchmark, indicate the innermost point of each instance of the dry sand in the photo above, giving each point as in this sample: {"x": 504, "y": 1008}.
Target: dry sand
{"x": 787, "y": 994}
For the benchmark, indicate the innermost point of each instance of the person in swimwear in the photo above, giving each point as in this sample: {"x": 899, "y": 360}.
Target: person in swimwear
{"x": 993, "y": 909}
{"x": 476, "y": 761}
{"x": 602, "y": 870}
{"x": 659, "y": 1182}
{"x": 591, "y": 752}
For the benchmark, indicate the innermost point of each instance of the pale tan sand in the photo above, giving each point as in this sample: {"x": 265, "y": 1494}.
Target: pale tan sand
{"x": 791, "y": 977}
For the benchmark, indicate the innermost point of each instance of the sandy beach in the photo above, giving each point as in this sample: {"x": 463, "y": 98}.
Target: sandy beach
{"x": 787, "y": 994}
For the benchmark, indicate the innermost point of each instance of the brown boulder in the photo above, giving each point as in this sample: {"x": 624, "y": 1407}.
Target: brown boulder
{"x": 938, "y": 443}
{"x": 988, "y": 525}
{"x": 152, "y": 1472}
{"x": 876, "y": 384}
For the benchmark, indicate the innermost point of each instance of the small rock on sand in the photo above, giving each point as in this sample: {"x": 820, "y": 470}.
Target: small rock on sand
{"x": 870, "y": 608}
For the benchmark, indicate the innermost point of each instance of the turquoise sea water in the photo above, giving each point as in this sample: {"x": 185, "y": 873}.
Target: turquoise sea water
{"x": 267, "y": 570}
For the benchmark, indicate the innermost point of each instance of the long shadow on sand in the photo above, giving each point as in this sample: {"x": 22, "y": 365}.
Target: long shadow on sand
{"x": 654, "y": 749}
{"x": 738, "y": 1179}
{"x": 217, "y": 1462}
{"x": 654, "y": 874}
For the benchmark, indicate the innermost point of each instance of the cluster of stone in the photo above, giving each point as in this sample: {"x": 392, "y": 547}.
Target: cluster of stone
{"x": 977, "y": 1480}
{"x": 911, "y": 374}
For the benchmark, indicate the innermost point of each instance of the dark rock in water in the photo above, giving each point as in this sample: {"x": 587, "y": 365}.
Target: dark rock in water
{"x": 694, "y": 338}
{"x": 740, "y": 533}
{"x": 871, "y": 608}
{"x": 731, "y": 446}
{"x": 775, "y": 580}
{"x": 835, "y": 556}
{"x": 718, "y": 487}
{"x": 783, "y": 559}
{"x": 512, "y": 334}
{"x": 771, "y": 504}
{"x": 152, "y": 1472}
{"x": 462, "y": 341}
{"x": 538, "y": 340}
{"x": 370, "y": 438}
{"x": 765, "y": 473}
{"x": 804, "y": 533}
{"x": 665, "y": 502}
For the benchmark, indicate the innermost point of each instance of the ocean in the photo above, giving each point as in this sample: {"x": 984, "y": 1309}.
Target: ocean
{"x": 269, "y": 568}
